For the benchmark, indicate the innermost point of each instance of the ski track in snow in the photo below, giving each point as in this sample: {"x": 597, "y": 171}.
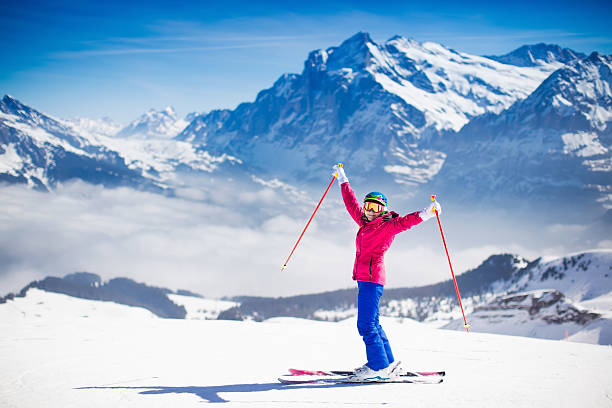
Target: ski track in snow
{"x": 60, "y": 351}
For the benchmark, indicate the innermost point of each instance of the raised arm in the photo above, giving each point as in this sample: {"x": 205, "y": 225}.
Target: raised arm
{"x": 408, "y": 221}
{"x": 348, "y": 195}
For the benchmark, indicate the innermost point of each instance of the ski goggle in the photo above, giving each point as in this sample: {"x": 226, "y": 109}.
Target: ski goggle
{"x": 372, "y": 206}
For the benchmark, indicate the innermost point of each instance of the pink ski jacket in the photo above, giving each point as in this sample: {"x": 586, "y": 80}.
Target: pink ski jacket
{"x": 374, "y": 237}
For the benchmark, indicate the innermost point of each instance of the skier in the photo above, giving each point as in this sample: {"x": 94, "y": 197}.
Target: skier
{"x": 377, "y": 229}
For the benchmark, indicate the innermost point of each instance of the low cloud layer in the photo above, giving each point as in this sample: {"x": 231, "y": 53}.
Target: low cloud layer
{"x": 220, "y": 249}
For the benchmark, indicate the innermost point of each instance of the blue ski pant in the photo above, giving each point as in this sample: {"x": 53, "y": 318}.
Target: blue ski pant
{"x": 378, "y": 350}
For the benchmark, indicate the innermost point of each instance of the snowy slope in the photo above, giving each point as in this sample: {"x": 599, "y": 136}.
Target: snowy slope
{"x": 451, "y": 87}
{"x": 201, "y": 308}
{"x": 545, "y": 314}
{"x": 581, "y": 277}
{"x": 60, "y": 351}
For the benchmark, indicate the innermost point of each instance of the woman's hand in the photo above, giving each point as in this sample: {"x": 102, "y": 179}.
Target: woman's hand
{"x": 339, "y": 173}
{"x": 428, "y": 212}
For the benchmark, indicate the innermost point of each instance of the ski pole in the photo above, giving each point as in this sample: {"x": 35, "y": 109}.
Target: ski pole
{"x": 466, "y": 325}
{"x": 308, "y": 223}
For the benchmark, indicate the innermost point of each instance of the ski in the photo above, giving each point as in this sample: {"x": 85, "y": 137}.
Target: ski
{"x": 339, "y": 379}
{"x": 297, "y": 376}
{"x": 296, "y": 372}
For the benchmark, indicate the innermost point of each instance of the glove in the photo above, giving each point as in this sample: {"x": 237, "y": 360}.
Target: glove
{"x": 339, "y": 173}
{"x": 427, "y": 213}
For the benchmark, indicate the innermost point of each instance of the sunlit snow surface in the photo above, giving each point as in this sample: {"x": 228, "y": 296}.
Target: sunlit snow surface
{"x": 64, "y": 352}
{"x": 200, "y": 308}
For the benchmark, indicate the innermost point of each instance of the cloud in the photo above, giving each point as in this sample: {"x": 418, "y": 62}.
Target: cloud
{"x": 236, "y": 245}
{"x": 116, "y": 51}
{"x": 175, "y": 242}
{"x": 567, "y": 228}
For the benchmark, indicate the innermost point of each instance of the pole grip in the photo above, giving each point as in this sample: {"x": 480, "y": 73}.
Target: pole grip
{"x": 341, "y": 166}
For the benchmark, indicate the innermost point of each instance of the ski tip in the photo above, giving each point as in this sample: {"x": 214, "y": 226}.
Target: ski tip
{"x": 294, "y": 371}
{"x": 428, "y": 373}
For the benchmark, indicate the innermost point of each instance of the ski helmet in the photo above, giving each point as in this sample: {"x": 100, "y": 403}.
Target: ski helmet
{"x": 376, "y": 197}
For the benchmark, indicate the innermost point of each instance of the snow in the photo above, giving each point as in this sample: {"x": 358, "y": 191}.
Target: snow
{"x": 40, "y": 136}
{"x": 427, "y": 164}
{"x": 601, "y": 304}
{"x": 63, "y": 352}
{"x": 580, "y": 276}
{"x": 200, "y": 308}
{"x": 472, "y": 85}
{"x": 155, "y": 124}
{"x": 583, "y": 144}
{"x": 98, "y": 127}
{"x": 10, "y": 160}
{"x": 163, "y": 156}
{"x": 158, "y": 157}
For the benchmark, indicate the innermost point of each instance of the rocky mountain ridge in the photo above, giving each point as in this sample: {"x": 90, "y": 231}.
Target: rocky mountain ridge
{"x": 366, "y": 103}
{"x": 556, "y": 143}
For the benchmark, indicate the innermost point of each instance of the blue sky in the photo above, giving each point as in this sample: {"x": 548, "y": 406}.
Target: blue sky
{"x": 119, "y": 59}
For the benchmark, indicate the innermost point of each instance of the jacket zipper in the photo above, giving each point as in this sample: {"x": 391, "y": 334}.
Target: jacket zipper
{"x": 371, "y": 259}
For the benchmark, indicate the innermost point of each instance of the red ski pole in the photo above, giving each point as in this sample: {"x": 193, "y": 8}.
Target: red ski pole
{"x": 308, "y": 223}
{"x": 466, "y": 325}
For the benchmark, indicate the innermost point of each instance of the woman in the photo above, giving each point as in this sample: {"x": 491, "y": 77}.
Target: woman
{"x": 377, "y": 229}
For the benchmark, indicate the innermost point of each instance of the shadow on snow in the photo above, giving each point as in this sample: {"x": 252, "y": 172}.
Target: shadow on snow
{"x": 211, "y": 393}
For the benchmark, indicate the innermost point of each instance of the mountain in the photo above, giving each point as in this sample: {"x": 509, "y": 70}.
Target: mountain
{"x": 543, "y": 298}
{"x": 553, "y": 145}
{"x": 569, "y": 296}
{"x": 367, "y": 104}
{"x": 412, "y": 117}
{"x": 336, "y": 304}
{"x": 546, "y": 314}
{"x": 155, "y": 124}
{"x": 539, "y": 54}
{"x": 42, "y": 151}
{"x": 505, "y": 294}
{"x": 119, "y": 290}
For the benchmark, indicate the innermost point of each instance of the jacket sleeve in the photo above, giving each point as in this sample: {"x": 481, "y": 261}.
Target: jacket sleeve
{"x": 401, "y": 224}
{"x": 351, "y": 203}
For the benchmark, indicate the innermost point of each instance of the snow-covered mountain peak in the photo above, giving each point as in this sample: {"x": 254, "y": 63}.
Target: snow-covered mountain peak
{"x": 559, "y": 132}
{"x": 539, "y": 54}
{"x": 155, "y": 124}
{"x": 579, "y": 94}
{"x": 169, "y": 110}
{"x": 354, "y": 54}
{"x": 11, "y": 105}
